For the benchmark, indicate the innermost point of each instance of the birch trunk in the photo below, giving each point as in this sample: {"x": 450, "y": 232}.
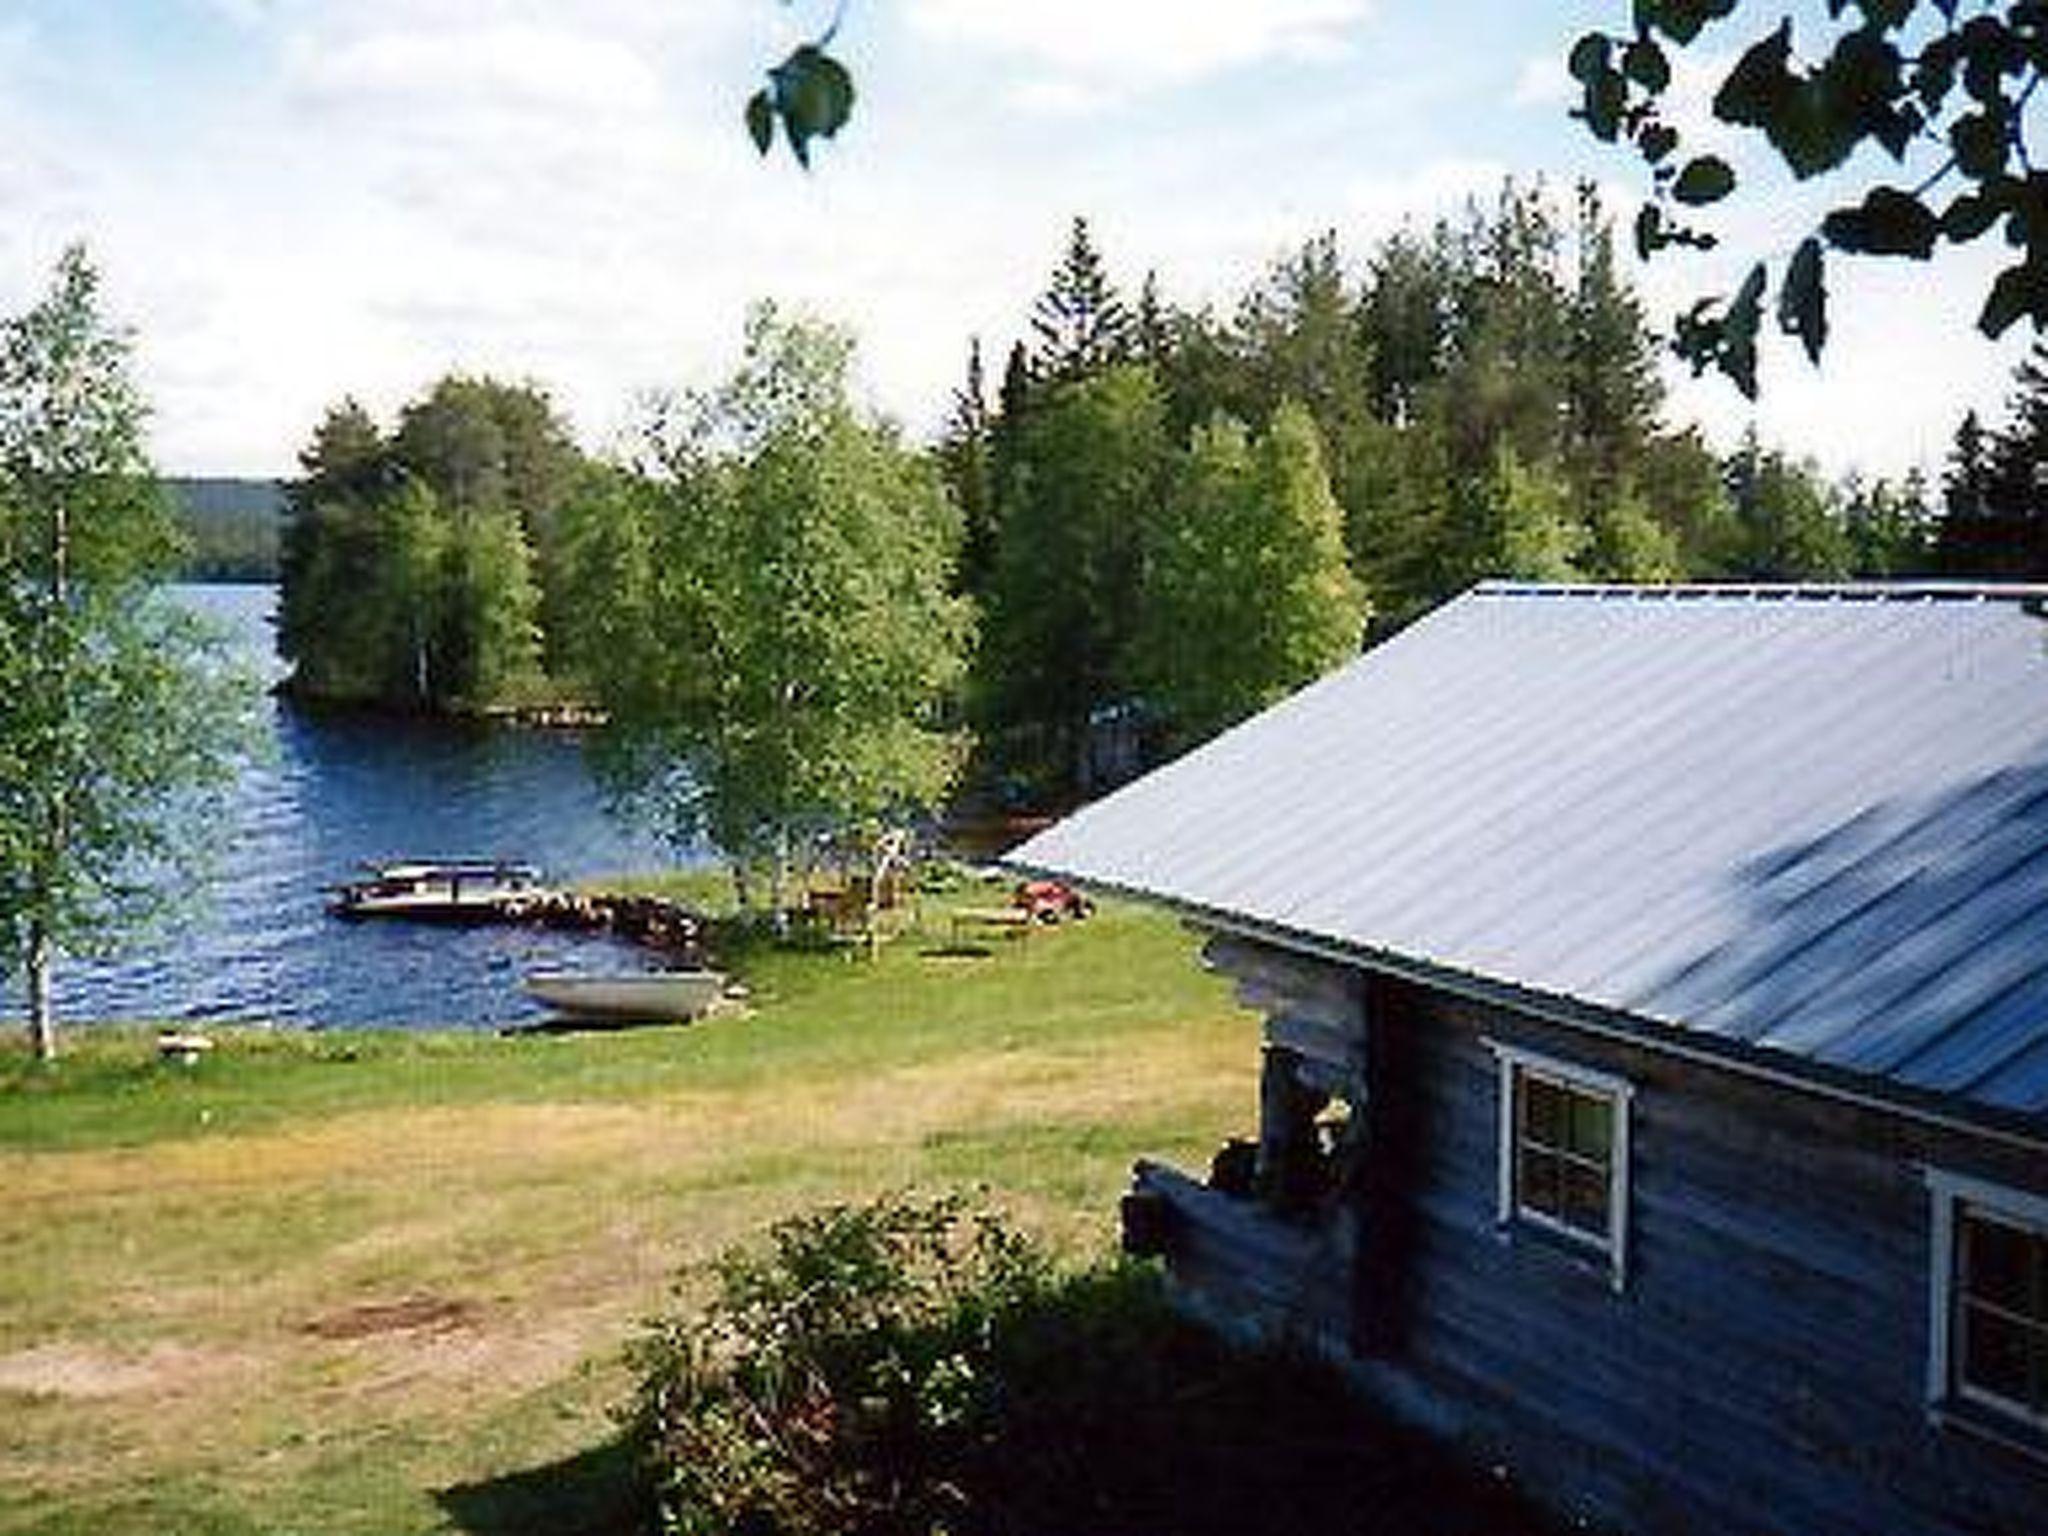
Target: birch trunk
{"x": 42, "y": 1025}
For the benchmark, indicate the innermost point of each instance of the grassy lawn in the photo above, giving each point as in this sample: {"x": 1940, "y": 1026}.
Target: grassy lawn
{"x": 377, "y": 1282}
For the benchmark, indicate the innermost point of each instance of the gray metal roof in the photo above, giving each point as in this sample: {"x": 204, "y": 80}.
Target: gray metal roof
{"x": 1809, "y": 824}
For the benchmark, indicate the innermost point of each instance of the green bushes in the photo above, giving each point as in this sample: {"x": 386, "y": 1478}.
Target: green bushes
{"x": 908, "y": 1367}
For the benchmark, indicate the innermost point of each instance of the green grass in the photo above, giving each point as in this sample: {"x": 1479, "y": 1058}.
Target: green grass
{"x": 190, "y": 1258}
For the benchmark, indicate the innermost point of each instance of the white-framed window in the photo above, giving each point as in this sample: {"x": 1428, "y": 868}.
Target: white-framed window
{"x": 1564, "y": 1153}
{"x": 1988, "y": 1322}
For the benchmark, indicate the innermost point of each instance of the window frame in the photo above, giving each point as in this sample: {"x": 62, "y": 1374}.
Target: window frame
{"x": 1510, "y": 1215}
{"x": 1948, "y": 1394}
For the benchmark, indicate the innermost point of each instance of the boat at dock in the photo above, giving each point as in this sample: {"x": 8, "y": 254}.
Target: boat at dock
{"x": 442, "y": 890}
{"x": 627, "y": 996}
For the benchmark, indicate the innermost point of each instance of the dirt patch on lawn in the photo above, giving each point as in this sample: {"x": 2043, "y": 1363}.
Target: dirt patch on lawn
{"x": 413, "y": 1314}
{"x": 78, "y": 1370}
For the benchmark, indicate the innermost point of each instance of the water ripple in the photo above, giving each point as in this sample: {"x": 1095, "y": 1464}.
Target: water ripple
{"x": 343, "y": 792}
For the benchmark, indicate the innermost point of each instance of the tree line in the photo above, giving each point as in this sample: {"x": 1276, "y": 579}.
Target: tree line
{"x": 1478, "y": 399}
{"x": 1151, "y": 522}
{"x": 228, "y": 527}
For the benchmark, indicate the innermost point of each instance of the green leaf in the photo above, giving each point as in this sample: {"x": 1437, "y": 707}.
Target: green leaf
{"x": 1803, "y": 301}
{"x": 1590, "y": 56}
{"x": 813, "y": 95}
{"x": 1649, "y": 230}
{"x": 2018, "y": 291}
{"x": 821, "y": 92}
{"x": 1705, "y": 179}
{"x": 1887, "y": 222}
{"x": 1606, "y": 92}
{"x": 1934, "y": 76}
{"x": 1981, "y": 144}
{"x": 1680, "y": 20}
{"x": 1757, "y": 89}
{"x": 1656, "y": 141}
{"x": 1644, "y": 62}
{"x": 1990, "y": 52}
{"x": 1972, "y": 213}
{"x": 761, "y": 120}
{"x": 1738, "y": 332}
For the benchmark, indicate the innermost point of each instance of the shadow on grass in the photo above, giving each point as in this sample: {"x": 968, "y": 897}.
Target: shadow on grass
{"x": 593, "y": 1493}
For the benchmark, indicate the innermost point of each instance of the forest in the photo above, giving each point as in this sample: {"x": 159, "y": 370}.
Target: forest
{"x": 1143, "y": 523}
{"x": 228, "y": 527}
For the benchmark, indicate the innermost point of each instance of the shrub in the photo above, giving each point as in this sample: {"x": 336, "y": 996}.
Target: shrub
{"x": 832, "y": 1381}
{"x": 918, "y": 1367}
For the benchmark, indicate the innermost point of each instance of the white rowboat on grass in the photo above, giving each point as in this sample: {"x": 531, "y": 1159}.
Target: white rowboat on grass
{"x": 627, "y": 995}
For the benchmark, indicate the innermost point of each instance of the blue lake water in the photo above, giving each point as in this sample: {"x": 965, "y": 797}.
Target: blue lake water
{"x": 342, "y": 791}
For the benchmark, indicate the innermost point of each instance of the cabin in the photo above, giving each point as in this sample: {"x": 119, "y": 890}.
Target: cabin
{"x": 1654, "y": 1083}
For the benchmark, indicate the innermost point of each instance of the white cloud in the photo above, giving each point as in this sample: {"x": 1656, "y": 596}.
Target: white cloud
{"x": 1543, "y": 81}
{"x": 512, "y": 68}
{"x": 1438, "y": 189}
{"x": 247, "y": 13}
{"x": 1062, "y": 97}
{"x": 397, "y": 188}
{"x": 1136, "y": 45}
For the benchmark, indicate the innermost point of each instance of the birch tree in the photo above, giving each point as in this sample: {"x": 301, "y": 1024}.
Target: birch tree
{"x": 782, "y": 650}
{"x": 120, "y": 718}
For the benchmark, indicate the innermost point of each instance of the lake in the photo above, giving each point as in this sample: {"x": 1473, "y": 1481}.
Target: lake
{"x": 341, "y": 791}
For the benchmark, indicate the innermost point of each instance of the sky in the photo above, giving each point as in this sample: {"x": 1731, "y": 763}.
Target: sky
{"x": 293, "y": 201}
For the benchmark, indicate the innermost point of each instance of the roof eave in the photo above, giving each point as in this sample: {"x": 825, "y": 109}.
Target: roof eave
{"x": 1948, "y": 1112}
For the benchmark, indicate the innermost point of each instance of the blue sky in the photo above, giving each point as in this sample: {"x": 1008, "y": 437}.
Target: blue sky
{"x": 293, "y": 200}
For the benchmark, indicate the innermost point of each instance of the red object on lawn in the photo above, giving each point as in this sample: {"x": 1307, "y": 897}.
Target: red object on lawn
{"x": 1049, "y": 901}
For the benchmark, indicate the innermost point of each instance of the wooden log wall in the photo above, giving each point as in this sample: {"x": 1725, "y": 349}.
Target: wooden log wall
{"x": 1763, "y": 1367}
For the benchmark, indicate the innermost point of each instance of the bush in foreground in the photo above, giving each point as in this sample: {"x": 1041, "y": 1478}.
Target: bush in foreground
{"x": 920, "y": 1367}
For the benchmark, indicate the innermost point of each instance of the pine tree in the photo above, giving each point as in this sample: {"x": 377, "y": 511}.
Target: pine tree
{"x": 1081, "y": 325}
{"x": 1152, "y": 327}
{"x": 1406, "y": 312}
{"x": 1972, "y": 533}
{"x": 1613, "y": 393}
{"x": 966, "y": 457}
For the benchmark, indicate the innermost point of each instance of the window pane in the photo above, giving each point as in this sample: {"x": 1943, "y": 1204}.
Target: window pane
{"x": 1541, "y": 1179}
{"x": 1585, "y": 1198}
{"x": 1995, "y": 1354}
{"x": 1545, "y": 1113}
{"x": 1999, "y": 1263}
{"x": 1592, "y": 1128}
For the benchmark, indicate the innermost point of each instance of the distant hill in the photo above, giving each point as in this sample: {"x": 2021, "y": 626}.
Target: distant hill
{"x": 232, "y": 526}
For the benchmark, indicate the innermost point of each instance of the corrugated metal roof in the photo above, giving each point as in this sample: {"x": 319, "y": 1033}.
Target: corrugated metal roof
{"x": 1810, "y": 822}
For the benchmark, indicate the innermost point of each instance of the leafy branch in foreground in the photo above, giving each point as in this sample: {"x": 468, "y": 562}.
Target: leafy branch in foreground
{"x": 1942, "y": 86}
{"x": 809, "y": 93}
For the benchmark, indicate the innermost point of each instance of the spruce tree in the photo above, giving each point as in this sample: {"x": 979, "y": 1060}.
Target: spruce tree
{"x": 1081, "y": 325}
{"x": 1613, "y": 393}
{"x": 966, "y": 457}
{"x": 1995, "y": 516}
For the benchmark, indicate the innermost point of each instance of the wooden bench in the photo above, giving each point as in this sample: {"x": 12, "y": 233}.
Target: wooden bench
{"x": 1013, "y": 921}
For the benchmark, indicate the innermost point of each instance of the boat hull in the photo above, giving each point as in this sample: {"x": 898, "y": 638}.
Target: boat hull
{"x": 440, "y": 890}
{"x": 651, "y": 995}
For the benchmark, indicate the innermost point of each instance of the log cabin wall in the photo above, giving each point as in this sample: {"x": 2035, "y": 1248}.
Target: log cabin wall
{"x": 1761, "y": 1364}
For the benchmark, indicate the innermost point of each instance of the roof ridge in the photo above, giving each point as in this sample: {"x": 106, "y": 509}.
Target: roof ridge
{"x": 1920, "y": 590}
